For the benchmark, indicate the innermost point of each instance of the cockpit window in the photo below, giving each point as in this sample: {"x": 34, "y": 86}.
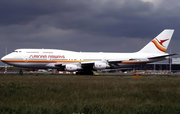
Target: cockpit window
{"x": 17, "y": 51}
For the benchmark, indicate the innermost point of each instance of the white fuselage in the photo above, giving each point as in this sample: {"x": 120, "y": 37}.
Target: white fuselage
{"x": 46, "y": 58}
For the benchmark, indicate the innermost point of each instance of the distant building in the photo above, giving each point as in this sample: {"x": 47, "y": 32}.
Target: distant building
{"x": 158, "y": 66}
{"x": 175, "y": 60}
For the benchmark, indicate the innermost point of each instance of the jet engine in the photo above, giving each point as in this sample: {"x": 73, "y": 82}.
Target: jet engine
{"x": 72, "y": 67}
{"x": 100, "y": 65}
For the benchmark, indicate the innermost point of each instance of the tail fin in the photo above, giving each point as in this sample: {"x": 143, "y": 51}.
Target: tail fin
{"x": 159, "y": 44}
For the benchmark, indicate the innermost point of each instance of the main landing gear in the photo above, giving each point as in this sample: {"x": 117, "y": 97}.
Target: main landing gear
{"x": 85, "y": 72}
{"x": 20, "y": 72}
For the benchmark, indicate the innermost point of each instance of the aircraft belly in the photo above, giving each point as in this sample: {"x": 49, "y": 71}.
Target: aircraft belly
{"x": 29, "y": 65}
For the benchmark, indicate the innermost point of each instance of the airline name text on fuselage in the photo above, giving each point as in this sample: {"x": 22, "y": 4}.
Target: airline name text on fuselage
{"x": 47, "y": 56}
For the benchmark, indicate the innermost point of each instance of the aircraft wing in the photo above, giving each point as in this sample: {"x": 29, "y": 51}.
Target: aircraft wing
{"x": 84, "y": 65}
{"x": 54, "y": 65}
{"x": 114, "y": 61}
{"x": 89, "y": 64}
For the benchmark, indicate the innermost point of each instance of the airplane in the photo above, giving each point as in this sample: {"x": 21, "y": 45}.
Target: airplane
{"x": 88, "y": 62}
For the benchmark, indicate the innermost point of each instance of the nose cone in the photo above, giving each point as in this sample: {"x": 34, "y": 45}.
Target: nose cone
{"x": 3, "y": 59}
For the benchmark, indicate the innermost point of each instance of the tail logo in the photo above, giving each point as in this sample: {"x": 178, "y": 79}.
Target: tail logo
{"x": 159, "y": 44}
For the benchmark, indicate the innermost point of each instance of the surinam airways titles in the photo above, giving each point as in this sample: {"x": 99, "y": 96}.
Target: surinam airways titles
{"x": 47, "y": 56}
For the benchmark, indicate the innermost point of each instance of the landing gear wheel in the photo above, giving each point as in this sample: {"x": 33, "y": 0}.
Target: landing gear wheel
{"x": 20, "y": 72}
{"x": 78, "y": 73}
{"x": 86, "y": 72}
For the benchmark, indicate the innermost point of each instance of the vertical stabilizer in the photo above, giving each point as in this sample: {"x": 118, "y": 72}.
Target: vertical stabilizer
{"x": 159, "y": 44}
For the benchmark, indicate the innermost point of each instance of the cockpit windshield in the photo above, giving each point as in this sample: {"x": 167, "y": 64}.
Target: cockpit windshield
{"x": 16, "y": 51}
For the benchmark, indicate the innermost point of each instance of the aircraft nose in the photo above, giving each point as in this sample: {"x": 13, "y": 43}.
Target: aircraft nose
{"x": 3, "y": 58}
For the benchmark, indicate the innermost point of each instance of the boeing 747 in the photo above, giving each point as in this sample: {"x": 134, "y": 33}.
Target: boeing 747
{"x": 87, "y": 62}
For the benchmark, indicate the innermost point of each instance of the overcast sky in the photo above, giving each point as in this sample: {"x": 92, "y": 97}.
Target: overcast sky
{"x": 87, "y": 25}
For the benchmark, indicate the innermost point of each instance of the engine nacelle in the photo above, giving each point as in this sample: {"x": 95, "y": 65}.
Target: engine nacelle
{"x": 72, "y": 67}
{"x": 100, "y": 65}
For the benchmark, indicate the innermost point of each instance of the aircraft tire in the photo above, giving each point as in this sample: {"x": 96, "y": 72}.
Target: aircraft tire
{"x": 84, "y": 73}
{"x": 77, "y": 73}
{"x": 20, "y": 72}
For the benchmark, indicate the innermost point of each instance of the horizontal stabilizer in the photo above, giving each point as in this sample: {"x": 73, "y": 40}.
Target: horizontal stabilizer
{"x": 158, "y": 57}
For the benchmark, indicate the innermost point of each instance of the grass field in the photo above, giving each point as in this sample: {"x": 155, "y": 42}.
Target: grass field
{"x": 70, "y": 94}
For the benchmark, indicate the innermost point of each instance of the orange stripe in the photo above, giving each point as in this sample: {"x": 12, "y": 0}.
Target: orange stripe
{"x": 158, "y": 45}
{"x": 39, "y": 61}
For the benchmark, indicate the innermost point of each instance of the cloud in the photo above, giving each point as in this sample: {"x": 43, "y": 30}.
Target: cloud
{"x": 86, "y": 25}
{"x": 116, "y": 18}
